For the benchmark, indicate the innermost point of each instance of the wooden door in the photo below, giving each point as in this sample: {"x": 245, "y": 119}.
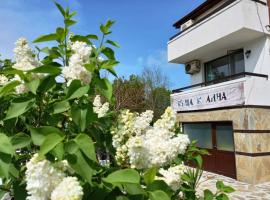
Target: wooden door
{"x": 217, "y": 138}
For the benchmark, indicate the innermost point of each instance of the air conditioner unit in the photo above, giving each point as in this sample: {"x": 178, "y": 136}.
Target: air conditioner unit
{"x": 193, "y": 67}
{"x": 187, "y": 24}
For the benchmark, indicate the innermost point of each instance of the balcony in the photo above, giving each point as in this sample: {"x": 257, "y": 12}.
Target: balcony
{"x": 240, "y": 89}
{"x": 231, "y": 26}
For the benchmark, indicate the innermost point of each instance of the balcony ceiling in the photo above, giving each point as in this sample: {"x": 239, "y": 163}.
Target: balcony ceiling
{"x": 232, "y": 41}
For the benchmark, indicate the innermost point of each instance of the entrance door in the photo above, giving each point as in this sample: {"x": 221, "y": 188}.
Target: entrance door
{"x": 217, "y": 138}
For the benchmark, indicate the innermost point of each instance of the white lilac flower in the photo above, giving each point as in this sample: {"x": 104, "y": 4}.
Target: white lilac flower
{"x": 167, "y": 120}
{"x": 143, "y": 121}
{"x": 3, "y": 80}
{"x": 24, "y": 56}
{"x": 99, "y": 108}
{"x": 158, "y": 148}
{"x": 41, "y": 178}
{"x": 80, "y": 57}
{"x": 145, "y": 146}
{"x": 68, "y": 189}
{"x": 20, "y": 89}
{"x": 172, "y": 176}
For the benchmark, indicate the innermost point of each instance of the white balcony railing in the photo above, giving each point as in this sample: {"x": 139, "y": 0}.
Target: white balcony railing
{"x": 248, "y": 90}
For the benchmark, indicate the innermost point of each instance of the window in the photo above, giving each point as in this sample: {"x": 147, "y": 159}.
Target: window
{"x": 201, "y": 132}
{"x": 225, "y": 67}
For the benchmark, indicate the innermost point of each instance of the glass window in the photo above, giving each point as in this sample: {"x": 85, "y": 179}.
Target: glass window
{"x": 224, "y": 138}
{"x": 202, "y": 132}
{"x": 226, "y": 66}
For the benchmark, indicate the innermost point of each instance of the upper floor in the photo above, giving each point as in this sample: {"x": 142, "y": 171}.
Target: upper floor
{"x": 230, "y": 42}
{"x": 218, "y": 25}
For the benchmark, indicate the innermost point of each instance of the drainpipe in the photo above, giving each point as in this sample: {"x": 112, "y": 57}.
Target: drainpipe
{"x": 268, "y": 4}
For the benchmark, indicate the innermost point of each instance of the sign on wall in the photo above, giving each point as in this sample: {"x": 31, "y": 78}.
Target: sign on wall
{"x": 222, "y": 96}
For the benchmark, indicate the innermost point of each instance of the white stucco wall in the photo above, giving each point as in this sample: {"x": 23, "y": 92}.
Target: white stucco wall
{"x": 258, "y": 61}
{"x": 240, "y": 22}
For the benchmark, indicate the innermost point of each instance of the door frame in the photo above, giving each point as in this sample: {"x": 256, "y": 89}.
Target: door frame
{"x": 214, "y": 139}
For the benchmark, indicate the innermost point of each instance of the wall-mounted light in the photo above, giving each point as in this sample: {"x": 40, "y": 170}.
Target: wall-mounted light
{"x": 247, "y": 53}
{"x": 267, "y": 28}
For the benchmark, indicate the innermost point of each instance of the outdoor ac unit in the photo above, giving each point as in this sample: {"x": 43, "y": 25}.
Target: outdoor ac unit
{"x": 187, "y": 24}
{"x": 193, "y": 67}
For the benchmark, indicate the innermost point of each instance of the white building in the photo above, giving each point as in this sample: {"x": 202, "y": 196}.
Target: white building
{"x": 225, "y": 46}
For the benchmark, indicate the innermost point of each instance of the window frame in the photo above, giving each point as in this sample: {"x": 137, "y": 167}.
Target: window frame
{"x": 230, "y": 53}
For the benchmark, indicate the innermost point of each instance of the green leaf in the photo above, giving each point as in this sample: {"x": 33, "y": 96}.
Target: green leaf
{"x": 61, "y": 34}
{"x": 80, "y": 165}
{"x": 222, "y": 197}
{"x": 47, "y": 69}
{"x": 59, "y": 151}
{"x": 49, "y": 143}
{"x": 6, "y": 89}
{"x": 158, "y": 195}
{"x": 109, "y": 65}
{"x": 82, "y": 116}
{"x": 123, "y": 176}
{"x": 159, "y": 185}
{"x": 133, "y": 188}
{"x": 19, "y": 107}
{"x": 149, "y": 175}
{"x": 228, "y": 189}
{"x": 94, "y": 37}
{"x": 199, "y": 161}
{"x": 90, "y": 66}
{"x": 105, "y": 87}
{"x": 108, "y": 52}
{"x": 86, "y": 144}
{"x": 20, "y": 140}
{"x": 61, "y": 9}
{"x": 33, "y": 85}
{"x": 38, "y": 135}
{"x": 113, "y": 43}
{"x": 220, "y": 185}
{"x": 46, "y": 84}
{"x": 75, "y": 90}
{"x": 46, "y": 38}
{"x": 71, "y": 147}
{"x": 4, "y": 165}
{"x": 208, "y": 195}
{"x": 5, "y": 145}
{"x": 122, "y": 198}
{"x": 70, "y": 22}
{"x": 60, "y": 107}
{"x": 14, "y": 171}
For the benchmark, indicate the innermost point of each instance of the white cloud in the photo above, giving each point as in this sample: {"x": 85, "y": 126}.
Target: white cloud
{"x": 175, "y": 72}
{"x": 28, "y": 19}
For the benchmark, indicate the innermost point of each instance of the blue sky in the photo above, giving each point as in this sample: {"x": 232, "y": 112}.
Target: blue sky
{"x": 142, "y": 28}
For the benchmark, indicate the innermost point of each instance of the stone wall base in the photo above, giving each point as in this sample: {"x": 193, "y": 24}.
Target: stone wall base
{"x": 251, "y": 127}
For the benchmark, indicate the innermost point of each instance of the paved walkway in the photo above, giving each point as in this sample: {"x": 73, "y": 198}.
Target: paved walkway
{"x": 244, "y": 191}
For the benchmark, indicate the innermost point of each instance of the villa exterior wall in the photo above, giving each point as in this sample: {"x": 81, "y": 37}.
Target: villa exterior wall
{"x": 240, "y": 22}
{"x": 251, "y": 130}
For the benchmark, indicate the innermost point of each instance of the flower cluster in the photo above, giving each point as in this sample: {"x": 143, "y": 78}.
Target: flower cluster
{"x": 24, "y": 56}
{"x": 80, "y": 57}
{"x": 172, "y": 176}
{"x": 44, "y": 181}
{"x": 99, "y": 108}
{"x": 24, "y": 61}
{"x": 20, "y": 89}
{"x": 68, "y": 189}
{"x": 145, "y": 146}
{"x": 3, "y": 80}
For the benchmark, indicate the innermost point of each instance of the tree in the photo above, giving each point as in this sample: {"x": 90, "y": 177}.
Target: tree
{"x": 157, "y": 94}
{"x": 129, "y": 93}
